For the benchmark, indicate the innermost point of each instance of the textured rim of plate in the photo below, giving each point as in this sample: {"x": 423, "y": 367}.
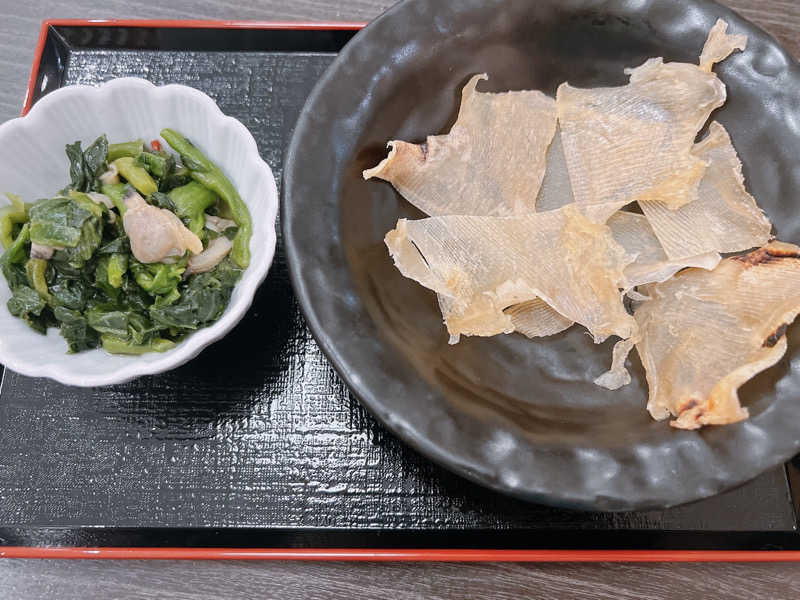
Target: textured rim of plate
{"x": 580, "y": 499}
{"x": 251, "y": 279}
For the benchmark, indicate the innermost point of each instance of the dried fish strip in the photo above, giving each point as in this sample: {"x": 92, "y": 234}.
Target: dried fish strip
{"x": 634, "y": 233}
{"x": 490, "y": 163}
{"x": 634, "y": 142}
{"x": 724, "y": 218}
{"x": 484, "y": 265}
{"x": 705, "y": 333}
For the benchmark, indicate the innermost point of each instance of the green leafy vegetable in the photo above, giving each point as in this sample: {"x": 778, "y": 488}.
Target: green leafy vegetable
{"x": 86, "y": 203}
{"x": 140, "y": 329}
{"x": 119, "y": 245}
{"x": 107, "y": 319}
{"x": 167, "y": 300}
{"x": 203, "y": 301}
{"x": 29, "y": 306}
{"x": 75, "y": 329}
{"x": 77, "y": 174}
{"x": 70, "y": 293}
{"x": 67, "y": 270}
{"x": 91, "y": 234}
{"x": 58, "y": 222}
{"x": 179, "y": 176}
{"x": 25, "y": 300}
{"x": 86, "y": 167}
{"x": 110, "y": 273}
{"x": 135, "y": 297}
{"x": 94, "y": 160}
{"x": 14, "y": 273}
{"x": 12, "y": 260}
{"x": 161, "y": 200}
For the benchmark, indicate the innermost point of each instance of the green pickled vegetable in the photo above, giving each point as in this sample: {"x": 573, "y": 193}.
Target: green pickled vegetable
{"x": 94, "y": 159}
{"x": 75, "y": 330}
{"x": 137, "y": 176}
{"x": 115, "y": 345}
{"x": 178, "y": 177}
{"x": 36, "y": 270}
{"x": 10, "y": 217}
{"x": 89, "y": 237}
{"x": 161, "y": 200}
{"x": 159, "y": 165}
{"x": 116, "y": 191}
{"x": 70, "y": 293}
{"x": 118, "y": 245}
{"x": 25, "y": 300}
{"x": 17, "y": 251}
{"x": 140, "y": 329}
{"x": 12, "y": 260}
{"x": 76, "y": 171}
{"x": 86, "y": 203}
{"x": 205, "y": 172}
{"x": 191, "y": 202}
{"x": 108, "y": 319}
{"x": 159, "y": 278}
{"x": 26, "y": 304}
{"x": 86, "y": 167}
{"x": 203, "y": 301}
{"x": 129, "y": 149}
{"x": 117, "y": 266}
{"x": 167, "y": 300}
{"x": 110, "y": 273}
{"x": 58, "y": 222}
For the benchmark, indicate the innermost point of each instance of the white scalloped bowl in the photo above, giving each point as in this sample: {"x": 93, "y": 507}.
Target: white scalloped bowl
{"x": 33, "y": 165}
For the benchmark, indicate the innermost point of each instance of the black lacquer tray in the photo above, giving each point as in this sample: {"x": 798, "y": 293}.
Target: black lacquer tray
{"x": 256, "y": 448}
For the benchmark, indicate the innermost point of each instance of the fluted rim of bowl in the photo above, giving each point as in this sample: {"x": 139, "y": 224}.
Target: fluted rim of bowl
{"x": 264, "y": 233}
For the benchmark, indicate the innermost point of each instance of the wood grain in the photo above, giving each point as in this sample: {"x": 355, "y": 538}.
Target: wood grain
{"x": 19, "y": 25}
{"x": 172, "y": 580}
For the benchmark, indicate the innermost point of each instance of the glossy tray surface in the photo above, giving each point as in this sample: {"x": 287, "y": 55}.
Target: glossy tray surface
{"x": 257, "y": 443}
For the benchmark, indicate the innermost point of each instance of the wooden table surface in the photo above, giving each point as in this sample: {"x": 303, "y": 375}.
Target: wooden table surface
{"x": 90, "y": 580}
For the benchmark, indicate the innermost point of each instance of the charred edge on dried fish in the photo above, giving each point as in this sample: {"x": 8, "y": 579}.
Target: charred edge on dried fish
{"x": 765, "y": 256}
{"x": 775, "y": 336}
{"x": 689, "y": 405}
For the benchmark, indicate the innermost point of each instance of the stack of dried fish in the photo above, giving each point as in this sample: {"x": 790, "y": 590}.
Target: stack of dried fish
{"x": 531, "y": 230}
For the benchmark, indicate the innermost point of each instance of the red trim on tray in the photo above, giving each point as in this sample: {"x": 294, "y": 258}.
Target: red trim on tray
{"x": 206, "y": 24}
{"x": 37, "y": 59}
{"x": 426, "y": 555}
{"x": 182, "y": 24}
{"x": 348, "y": 554}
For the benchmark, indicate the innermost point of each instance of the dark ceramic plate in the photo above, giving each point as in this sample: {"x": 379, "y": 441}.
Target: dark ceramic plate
{"x": 521, "y": 416}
